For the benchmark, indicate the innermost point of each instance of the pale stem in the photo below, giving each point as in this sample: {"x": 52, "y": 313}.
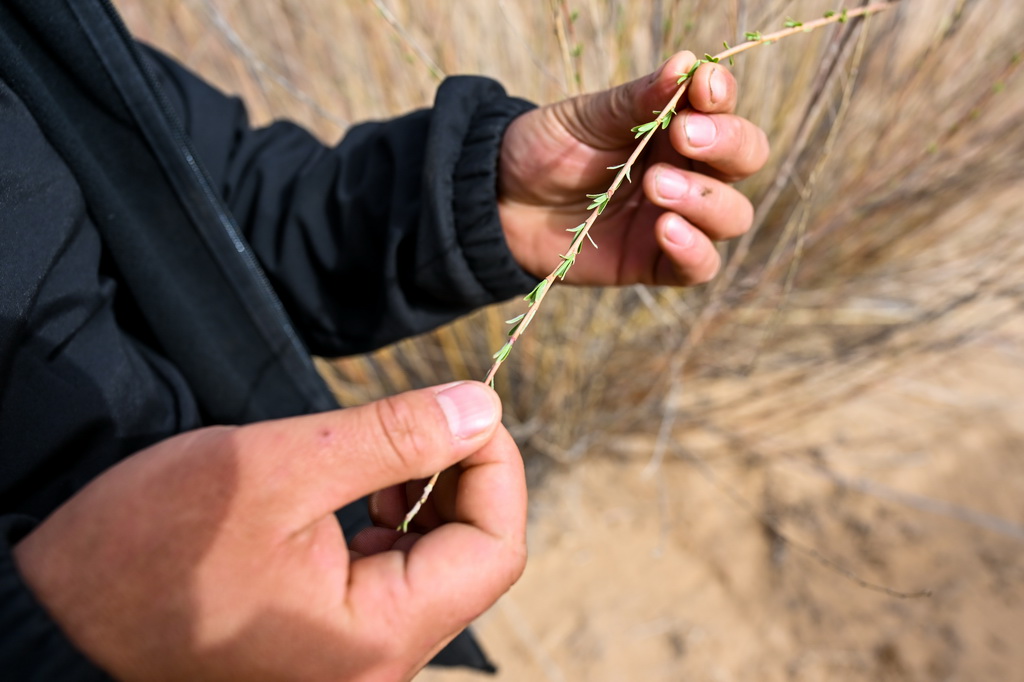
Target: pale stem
{"x": 624, "y": 174}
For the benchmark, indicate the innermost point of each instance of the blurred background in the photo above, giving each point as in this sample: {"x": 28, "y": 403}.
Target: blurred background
{"x": 749, "y": 480}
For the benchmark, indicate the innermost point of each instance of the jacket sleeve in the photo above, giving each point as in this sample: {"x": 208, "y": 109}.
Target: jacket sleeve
{"x": 390, "y": 233}
{"x": 33, "y": 648}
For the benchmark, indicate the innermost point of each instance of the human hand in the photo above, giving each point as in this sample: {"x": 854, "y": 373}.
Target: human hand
{"x": 659, "y": 229}
{"x": 215, "y": 554}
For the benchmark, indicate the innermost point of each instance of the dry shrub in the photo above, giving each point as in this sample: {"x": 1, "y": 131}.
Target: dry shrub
{"x": 887, "y": 223}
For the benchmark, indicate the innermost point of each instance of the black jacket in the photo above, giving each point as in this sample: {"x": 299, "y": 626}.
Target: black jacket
{"x": 164, "y": 266}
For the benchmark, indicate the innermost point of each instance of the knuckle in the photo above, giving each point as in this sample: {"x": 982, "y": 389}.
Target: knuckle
{"x": 516, "y": 564}
{"x": 711, "y": 266}
{"x": 410, "y": 438}
{"x": 760, "y": 148}
{"x": 746, "y": 216}
{"x": 706, "y": 270}
{"x": 391, "y": 615}
{"x": 739, "y": 212}
{"x": 622, "y": 101}
{"x": 753, "y": 146}
{"x": 735, "y": 136}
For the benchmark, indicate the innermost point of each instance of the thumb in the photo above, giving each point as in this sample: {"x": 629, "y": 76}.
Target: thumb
{"x": 603, "y": 120}
{"x": 313, "y": 465}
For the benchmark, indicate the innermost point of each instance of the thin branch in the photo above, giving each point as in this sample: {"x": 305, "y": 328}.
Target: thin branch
{"x": 258, "y": 67}
{"x": 385, "y": 12}
{"x": 773, "y": 525}
{"x": 599, "y": 202}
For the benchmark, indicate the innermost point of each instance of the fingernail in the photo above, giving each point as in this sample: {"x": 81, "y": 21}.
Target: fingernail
{"x": 678, "y": 232}
{"x": 700, "y": 129}
{"x": 716, "y": 85}
{"x": 468, "y": 408}
{"x": 670, "y": 185}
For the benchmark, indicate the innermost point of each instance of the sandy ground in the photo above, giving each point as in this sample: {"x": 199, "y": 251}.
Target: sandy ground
{"x": 917, "y": 484}
{"x": 672, "y": 574}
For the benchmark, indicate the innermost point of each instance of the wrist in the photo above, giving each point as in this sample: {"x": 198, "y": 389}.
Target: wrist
{"x": 476, "y": 198}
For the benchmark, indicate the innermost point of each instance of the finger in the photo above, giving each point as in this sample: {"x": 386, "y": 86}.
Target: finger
{"x": 388, "y": 506}
{"x": 603, "y": 120}
{"x": 718, "y": 209}
{"x": 445, "y": 497}
{"x": 306, "y": 467}
{"x": 427, "y": 517}
{"x": 713, "y": 90}
{"x": 687, "y": 254}
{"x": 731, "y": 146}
{"x": 455, "y": 572}
{"x": 374, "y": 540}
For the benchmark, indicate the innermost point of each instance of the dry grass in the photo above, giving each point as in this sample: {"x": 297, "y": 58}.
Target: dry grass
{"x": 889, "y": 226}
{"x": 884, "y": 207}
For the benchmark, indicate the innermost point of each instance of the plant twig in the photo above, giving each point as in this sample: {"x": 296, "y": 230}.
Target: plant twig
{"x": 258, "y": 68}
{"x": 385, "y": 12}
{"x": 565, "y": 31}
{"x": 599, "y": 202}
{"x": 775, "y": 528}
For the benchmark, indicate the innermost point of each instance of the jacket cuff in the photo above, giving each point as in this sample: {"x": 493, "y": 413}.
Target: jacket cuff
{"x": 32, "y": 646}
{"x": 474, "y": 193}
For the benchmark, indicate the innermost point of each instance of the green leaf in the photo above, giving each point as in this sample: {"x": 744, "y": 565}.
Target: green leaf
{"x": 576, "y": 229}
{"x": 843, "y": 17}
{"x": 829, "y": 14}
{"x": 669, "y": 113}
{"x": 532, "y": 297}
{"x": 689, "y": 74}
{"x": 621, "y": 165}
{"x": 515, "y": 322}
{"x": 503, "y": 352}
{"x": 709, "y": 59}
{"x": 574, "y": 241}
{"x": 566, "y": 263}
{"x": 600, "y": 201}
{"x": 644, "y": 128}
{"x": 793, "y": 23}
{"x": 752, "y": 35}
